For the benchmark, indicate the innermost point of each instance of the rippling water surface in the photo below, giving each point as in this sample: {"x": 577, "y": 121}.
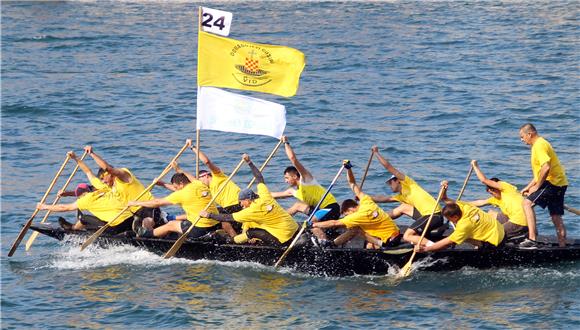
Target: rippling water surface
{"x": 433, "y": 84}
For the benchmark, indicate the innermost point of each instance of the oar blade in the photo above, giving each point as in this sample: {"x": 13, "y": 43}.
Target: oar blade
{"x": 176, "y": 246}
{"x": 31, "y": 239}
{"x": 93, "y": 237}
{"x": 21, "y": 235}
{"x": 406, "y": 270}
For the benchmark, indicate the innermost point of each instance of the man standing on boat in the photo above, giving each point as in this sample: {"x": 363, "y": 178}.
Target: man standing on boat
{"x": 547, "y": 187}
{"x": 366, "y": 220}
{"x": 270, "y": 223}
{"x": 305, "y": 188}
{"x": 102, "y": 203}
{"x": 472, "y": 225}
{"x": 415, "y": 202}
{"x": 193, "y": 196}
{"x": 126, "y": 186}
{"x": 508, "y": 199}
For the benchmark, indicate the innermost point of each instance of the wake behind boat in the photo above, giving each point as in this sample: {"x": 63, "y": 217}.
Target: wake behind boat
{"x": 309, "y": 259}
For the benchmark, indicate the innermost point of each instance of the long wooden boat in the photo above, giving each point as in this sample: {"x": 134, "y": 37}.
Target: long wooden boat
{"x": 310, "y": 259}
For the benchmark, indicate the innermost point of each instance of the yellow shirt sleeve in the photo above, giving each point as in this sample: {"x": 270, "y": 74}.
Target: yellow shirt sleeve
{"x": 175, "y": 197}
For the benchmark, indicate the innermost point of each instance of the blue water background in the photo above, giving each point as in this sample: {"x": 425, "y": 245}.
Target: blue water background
{"x": 434, "y": 84}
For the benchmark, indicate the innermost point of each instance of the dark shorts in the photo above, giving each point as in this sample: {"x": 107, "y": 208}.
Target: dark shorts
{"x": 153, "y": 213}
{"x": 550, "y": 196}
{"x": 511, "y": 229}
{"x": 333, "y": 214}
{"x": 393, "y": 241}
{"x": 263, "y": 235}
{"x": 421, "y": 220}
{"x": 198, "y": 231}
{"x": 92, "y": 222}
{"x": 486, "y": 246}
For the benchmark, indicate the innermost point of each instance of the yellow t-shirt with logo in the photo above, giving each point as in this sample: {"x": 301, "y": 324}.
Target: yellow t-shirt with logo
{"x": 193, "y": 198}
{"x": 229, "y": 196}
{"x": 311, "y": 193}
{"x": 413, "y": 194}
{"x": 510, "y": 203}
{"x": 478, "y": 225}
{"x": 372, "y": 219}
{"x": 104, "y": 205}
{"x": 542, "y": 153}
{"x": 265, "y": 213}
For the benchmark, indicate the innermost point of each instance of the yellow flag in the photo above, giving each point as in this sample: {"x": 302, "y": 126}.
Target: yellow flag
{"x": 230, "y": 63}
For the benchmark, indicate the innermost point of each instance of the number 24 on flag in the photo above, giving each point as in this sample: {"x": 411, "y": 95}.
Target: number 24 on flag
{"x": 216, "y": 21}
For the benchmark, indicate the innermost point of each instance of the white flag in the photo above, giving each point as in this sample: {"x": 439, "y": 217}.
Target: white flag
{"x": 228, "y": 112}
{"x": 216, "y": 21}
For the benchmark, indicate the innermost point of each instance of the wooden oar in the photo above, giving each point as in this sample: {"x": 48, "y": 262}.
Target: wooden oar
{"x": 305, "y": 223}
{"x": 177, "y": 245}
{"x": 266, "y": 162}
{"x": 463, "y": 189}
{"x": 571, "y": 209}
{"x": 35, "y": 234}
{"x": 98, "y": 233}
{"x": 406, "y": 270}
{"x": 29, "y": 222}
{"x": 362, "y": 181}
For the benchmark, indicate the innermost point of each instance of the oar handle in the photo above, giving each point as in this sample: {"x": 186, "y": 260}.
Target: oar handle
{"x": 362, "y": 182}
{"x": 465, "y": 182}
{"x": 56, "y": 200}
{"x": 177, "y": 245}
{"x": 303, "y": 227}
{"x": 29, "y": 221}
{"x": 108, "y": 224}
{"x": 266, "y": 161}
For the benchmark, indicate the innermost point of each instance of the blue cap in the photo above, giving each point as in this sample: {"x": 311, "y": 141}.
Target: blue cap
{"x": 247, "y": 194}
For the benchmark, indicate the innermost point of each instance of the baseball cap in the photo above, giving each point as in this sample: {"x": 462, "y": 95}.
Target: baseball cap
{"x": 82, "y": 188}
{"x": 247, "y": 194}
{"x": 391, "y": 178}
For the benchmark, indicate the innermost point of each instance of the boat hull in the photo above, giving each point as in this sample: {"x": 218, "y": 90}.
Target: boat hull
{"x": 342, "y": 261}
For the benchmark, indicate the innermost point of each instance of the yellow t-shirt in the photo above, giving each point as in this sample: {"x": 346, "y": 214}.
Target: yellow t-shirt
{"x": 413, "y": 194}
{"x": 510, "y": 203}
{"x": 104, "y": 205}
{"x": 131, "y": 190}
{"x": 542, "y": 153}
{"x": 372, "y": 219}
{"x": 311, "y": 193}
{"x": 193, "y": 198}
{"x": 265, "y": 213}
{"x": 229, "y": 196}
{"x": 478, "y": 225}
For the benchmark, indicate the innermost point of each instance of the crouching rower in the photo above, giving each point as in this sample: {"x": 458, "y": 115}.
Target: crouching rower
{"x": 193, "y": 196}
{"x": 269, "y": 222}
{"x": 416, "y": 203}
{"x": 103, "y": 206}
{"x": 305, "y": 188}
{"x": 508, "y": 199}
{"x": 472, "y": 225}
{"x": 126, "y": 186}
{"x": 366, "y": 220}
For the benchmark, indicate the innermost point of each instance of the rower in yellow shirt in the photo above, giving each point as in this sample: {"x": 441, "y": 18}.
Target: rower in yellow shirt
{"x": 472, "y": 225}
{"x": 508, "y": 199}
{"x": 366, "y": 220}
{"x": 98, "y": 199}
{"x": 126, "y": 186}
{"x": 192, "y": 196}
{"x": 416, "y": 203}
{"x": 547, "y": 187}
{"x": 305, "y": 188}
{"x": 270, "y": 222}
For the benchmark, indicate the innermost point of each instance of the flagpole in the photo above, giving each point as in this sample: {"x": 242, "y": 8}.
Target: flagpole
{"x": 197, "y": 135}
